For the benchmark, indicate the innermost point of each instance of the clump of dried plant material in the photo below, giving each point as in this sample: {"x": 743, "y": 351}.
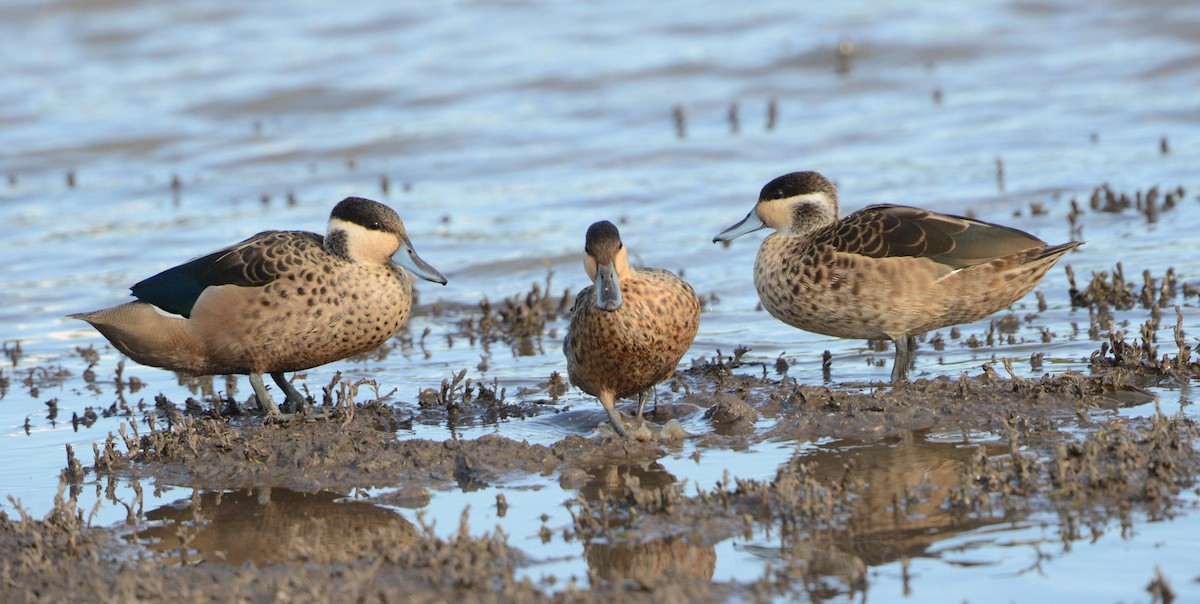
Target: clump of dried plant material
{"x": 520, "y": 321}
{"x": 1107, "y": 473}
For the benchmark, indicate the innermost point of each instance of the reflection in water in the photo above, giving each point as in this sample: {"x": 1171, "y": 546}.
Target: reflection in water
{"x": 909, "y": 476}
{"x": 274, "y": 525}
{"x": 830, "y": 514}
{"x": 646, "y": 561}
{"x": 891, "y": 505}
{"x": 616, "y": 480}
{"x": 820, "y": 563}
{"x": 643, "y": 560}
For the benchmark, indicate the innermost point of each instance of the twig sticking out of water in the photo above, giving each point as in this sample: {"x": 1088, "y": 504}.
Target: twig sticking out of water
{"x": 12, "y": 350}
{"x": 845, "y": 52}
{"x": 1150, "y": 203}
{"x": 1160, "y": 590}
{"x": 459, "y": 391}
{"x": 680, "y": 120}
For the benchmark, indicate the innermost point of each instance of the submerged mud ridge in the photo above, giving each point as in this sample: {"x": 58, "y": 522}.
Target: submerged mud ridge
{"x": 1054, "y": 448}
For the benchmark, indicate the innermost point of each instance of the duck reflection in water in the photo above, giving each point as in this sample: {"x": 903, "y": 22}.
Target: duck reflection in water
{"x": 274, "y": 525}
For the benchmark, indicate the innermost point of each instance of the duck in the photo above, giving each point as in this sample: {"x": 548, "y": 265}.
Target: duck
{"x": 886, "y": 271}
{"x": 630, "y": 328}
{"x": 278, "y": 302}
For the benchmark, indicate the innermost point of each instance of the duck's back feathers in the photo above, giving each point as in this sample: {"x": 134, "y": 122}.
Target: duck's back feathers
{"x": 254, "y": 262}
{"x": 885, "y": 231}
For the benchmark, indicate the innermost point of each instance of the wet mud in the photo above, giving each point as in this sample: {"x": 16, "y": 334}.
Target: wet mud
{"x": 301, "y": 508}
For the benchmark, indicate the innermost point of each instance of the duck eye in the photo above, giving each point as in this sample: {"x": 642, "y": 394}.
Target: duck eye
{"x": 374, "y": 225}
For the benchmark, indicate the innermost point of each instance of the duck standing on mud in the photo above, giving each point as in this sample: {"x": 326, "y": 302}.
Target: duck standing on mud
{"x": 630, "y": 328}
{"x": 279, "y": 301}
{"x": 885, "y": 271}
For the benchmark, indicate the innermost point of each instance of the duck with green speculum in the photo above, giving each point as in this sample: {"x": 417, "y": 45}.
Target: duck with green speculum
{"x": 277, "y": 302}
{"x": 630, "y": 328}
{"x": 886, "y": 271}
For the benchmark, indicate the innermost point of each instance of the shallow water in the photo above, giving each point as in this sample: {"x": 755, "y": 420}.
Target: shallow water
{"x": 500, "y": 131}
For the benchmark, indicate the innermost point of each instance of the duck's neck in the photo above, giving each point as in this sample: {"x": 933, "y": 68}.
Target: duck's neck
{"x": 337, "y": 243}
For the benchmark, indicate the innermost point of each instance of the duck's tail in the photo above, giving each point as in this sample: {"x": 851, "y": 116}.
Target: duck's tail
{"x": 150, "y": 336}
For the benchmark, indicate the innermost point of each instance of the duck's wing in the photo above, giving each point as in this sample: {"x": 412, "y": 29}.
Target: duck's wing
{"x": 254, "y": 262}
{"x": 883, "y": 231}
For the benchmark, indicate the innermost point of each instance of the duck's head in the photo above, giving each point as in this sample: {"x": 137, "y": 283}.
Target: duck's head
{"x": 797, "y": 203}
{"x": 367, "y": 231}
{"x": 606, "y": 261}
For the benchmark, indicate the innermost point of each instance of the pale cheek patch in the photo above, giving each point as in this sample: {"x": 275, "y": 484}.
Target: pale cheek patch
{"x": 621, "y": 263}
{"x": 589, "y": 265}
{"x": 365, "y": 245}
{"x": 776, "y": 214}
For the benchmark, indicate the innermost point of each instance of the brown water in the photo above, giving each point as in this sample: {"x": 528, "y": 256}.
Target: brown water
{"x": 501, "y": 130}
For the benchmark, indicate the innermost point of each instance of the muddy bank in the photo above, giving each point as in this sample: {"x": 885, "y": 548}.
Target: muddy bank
{"x": 347, "y": 449}
{"x": 303, "y": 509}
{"x": 274, "y": 508}
{"x": 356, "y": 445}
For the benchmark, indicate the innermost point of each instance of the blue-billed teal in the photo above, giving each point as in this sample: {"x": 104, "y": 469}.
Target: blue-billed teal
{"x": 885, "y": 271}
{"x": 279, "y": 301}
{"x": 630, "y": 328}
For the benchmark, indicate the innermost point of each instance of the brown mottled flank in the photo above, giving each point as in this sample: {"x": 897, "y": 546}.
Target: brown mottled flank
{"x": 317, "y": 308}
{"x": 811, "y": 284}
{"x": 332, "y": 308}
{"x": 279, "y": 301}
{"x": 885, "y": 271}
{"x": 613, "y": 354}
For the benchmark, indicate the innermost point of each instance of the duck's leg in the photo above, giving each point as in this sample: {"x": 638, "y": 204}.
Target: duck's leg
{"x": 295, "y": 400}
{"x": 905, "y": 346}
{"x": 265, "y": 403}
{"x": 613, "y": 416}
{"x": 644, "y": 396}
